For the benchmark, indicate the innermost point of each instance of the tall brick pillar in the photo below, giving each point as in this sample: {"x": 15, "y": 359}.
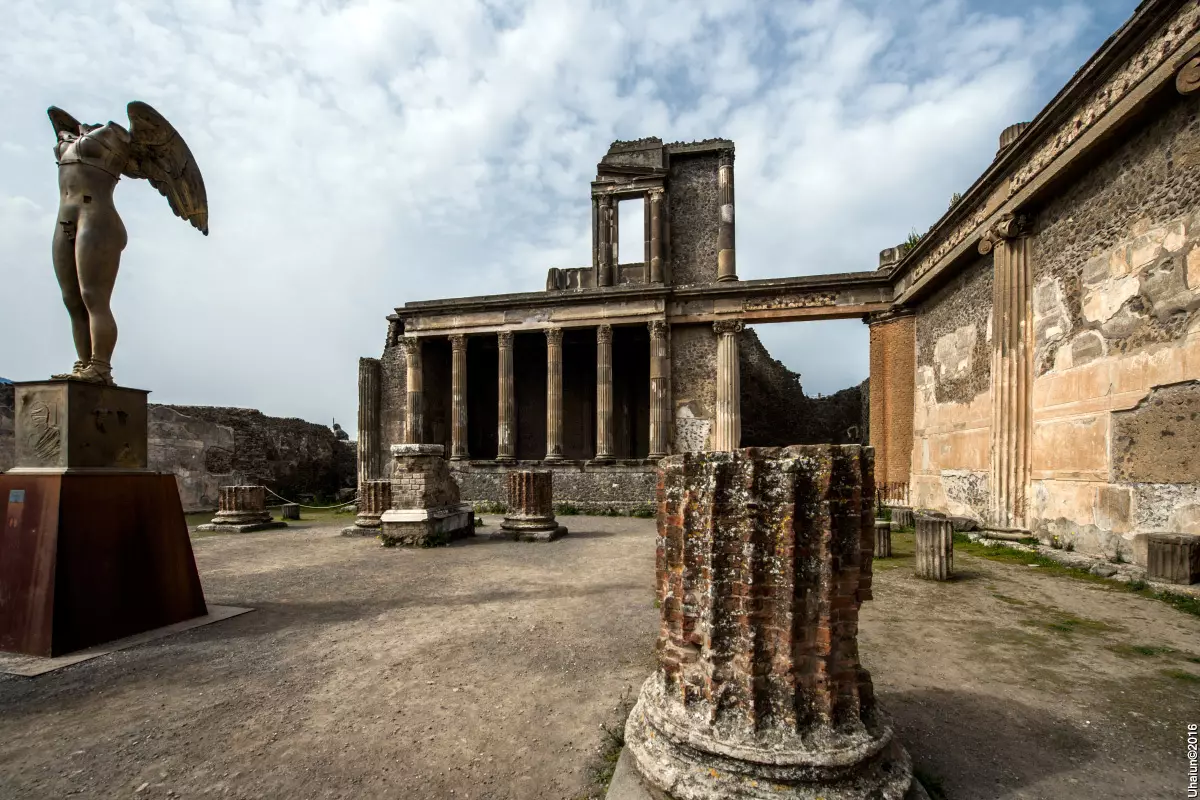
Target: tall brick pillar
{"x": 1012, "y": 373}
{"x": 763, "y": 559}
{"x": 506, "y": 439}
{"x": 414, "y": 429}
{"x": 458, "y": 397}
{"x": 369, "y": 451}
{"x": 892, "y": 388}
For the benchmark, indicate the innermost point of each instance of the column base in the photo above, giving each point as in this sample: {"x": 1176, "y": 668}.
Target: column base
{"x": 552, "y": 458}
{"x": 460, "y": 457}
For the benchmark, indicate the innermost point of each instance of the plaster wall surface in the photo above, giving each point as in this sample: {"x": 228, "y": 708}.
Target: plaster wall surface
{"x": 693, "y": 385}
{"x": 694, "y": 218}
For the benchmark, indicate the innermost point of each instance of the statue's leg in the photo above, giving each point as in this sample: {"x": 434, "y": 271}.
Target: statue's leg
{"x": 98, "y": 247}
{"x": 63, "y": 253}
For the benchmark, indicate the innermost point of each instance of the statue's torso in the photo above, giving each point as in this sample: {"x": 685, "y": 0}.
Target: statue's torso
{"x": 105, "y": 147}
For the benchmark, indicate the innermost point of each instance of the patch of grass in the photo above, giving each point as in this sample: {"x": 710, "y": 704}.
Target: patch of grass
{"x": 1193, "y": 659}
{"x": 1188, "y": 604}
{"x": 1029, "y": 540}
{"x": 488, "y": 507}
{"x": 479, "y": 523}
{"x": 609, "y": 512}
{"x": 643, "y": 513}
{"x": 1012, "y": 601}
{"x": 1134, "y": 650}
{"x": 1182, "y": 675}
{"x": 566, "y": 510}
{"x": 1062, "y": 622}
{"x": 932, "y": 782}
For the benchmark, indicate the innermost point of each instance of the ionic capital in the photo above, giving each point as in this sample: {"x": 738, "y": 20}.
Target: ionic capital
{"x": 604, "y": 334}
{"x": 725, "y": 159}
{"x": 1009, "y": 226}
{"x": 505, "y": 338}
{"x": 458, "y": 342}
{"x": 412, "y": 345}
{"x": 1187, "y": 79}
{"x": 658, "y": 328}
{"x": 728, "y": 327}
{"x": 554, "y": 336}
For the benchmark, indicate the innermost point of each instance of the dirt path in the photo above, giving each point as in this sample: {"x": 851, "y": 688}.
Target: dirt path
{"x": 485, "y": 670}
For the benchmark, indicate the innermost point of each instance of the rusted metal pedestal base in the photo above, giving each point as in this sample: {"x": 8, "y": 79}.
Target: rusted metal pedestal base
{"x": 86, "y": 558}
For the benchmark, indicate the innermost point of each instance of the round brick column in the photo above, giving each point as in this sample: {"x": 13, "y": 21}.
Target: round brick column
{"x": 241, "y": 505}
{"x": 531, "y": 507}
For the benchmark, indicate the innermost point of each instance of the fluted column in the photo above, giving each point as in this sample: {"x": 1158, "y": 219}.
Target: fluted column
{"x": 654, "y": 235}
{"x": 1012, "y": 372}
{"x": 554, "y": 397}
{"x": 660, "y": 379}
{"x": 604, "y": 396}
{"x": 414, "y": 420}
{"x": 458, "y": 401}
{"x": 369, "y": 453}
{"x": 727, "y": 430}
{"x": 507, "y": 418}
{"x": 726, "y": 258}
{"x": 606, "y": 235}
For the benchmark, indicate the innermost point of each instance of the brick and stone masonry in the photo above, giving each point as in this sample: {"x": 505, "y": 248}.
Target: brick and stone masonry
{"x": 530, "y": 514}
{"x": 242, "y": 509}
{"x": 425, "y": 506}
{"x": 935, "y": 548}
{"x": 763, "y": 559}
{"x": 374, "y": 498}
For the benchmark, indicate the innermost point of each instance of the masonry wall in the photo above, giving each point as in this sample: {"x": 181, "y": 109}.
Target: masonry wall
{"x": 621, "y": 487}
{"x": 393, "y": 383}
{"x": 951, "y": 417}
{"x": 694, "y": 218}
{"x": 693, "y": 385}
{"x": 1116, "y": 293}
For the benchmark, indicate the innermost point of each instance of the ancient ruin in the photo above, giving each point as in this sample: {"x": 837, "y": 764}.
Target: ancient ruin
{"x": 242, "y": 509}
{"x": 1030, "y": 355}
{"x": 934, "y": 538}
{"x": 530, "y": 515}
{"x": 425, "y": 508}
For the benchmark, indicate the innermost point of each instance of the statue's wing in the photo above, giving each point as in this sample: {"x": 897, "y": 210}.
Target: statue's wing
{"x": 159, "y": 154}
{"x": 62, "y": 121}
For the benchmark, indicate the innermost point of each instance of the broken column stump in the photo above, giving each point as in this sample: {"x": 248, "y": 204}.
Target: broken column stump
{"x": 763, "y": 559}
{"x": 935, "y": 548}
{"x": 374, "y": 498}
{"x": 242, "y": 509}
{"x": 530, "y": 514}
{"x": 425, "y": 510}
{"x": 883, "y": 538}
{"x": 902, "y": 516}
{"x": 1173, "y": 558}
{"x": 289, "y": 511}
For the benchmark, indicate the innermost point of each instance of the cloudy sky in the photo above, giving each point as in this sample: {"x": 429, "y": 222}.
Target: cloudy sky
{"x": 359, "y": 154}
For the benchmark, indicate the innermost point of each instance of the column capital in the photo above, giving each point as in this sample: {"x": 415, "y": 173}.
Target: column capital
{"x": 606, "y": 200}
{"x": 604, "y": 334}
{"x": 658, "y": 328}
{"x": 728, "y": 327}
{"x": 725, "y": 159}
{"x": 1187, "y": 79}
{"x": 412, "y": 345}
{"x": 554, "y": 336}
{"x": 655, "y": 192}
{"x": 504, "y": 338}
{"x": 894, "y": 313}
{"x": 458, "y": 341}
{"x": 1009, "y": 226}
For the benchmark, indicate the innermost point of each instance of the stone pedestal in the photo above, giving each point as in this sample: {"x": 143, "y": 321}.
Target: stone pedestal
{"x": 902, "y": 516}
{"x": 290, "y": 511}
{"x": 1173, "y": 558}
{"x": 763, "y": 559}
{"x": 935, "y": 548}
{"x": 374, "y": 498}
{"x": 530, "y": 514}
{"x": 883, "y": 538}
{"x": 241, "y": 509}
{"x": 93, "y": 546}
{"x": 425, "y": 507}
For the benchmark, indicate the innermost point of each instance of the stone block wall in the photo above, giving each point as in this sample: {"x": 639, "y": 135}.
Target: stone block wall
{"x": 393, "y": 388}
{"x": 1116, "y": 308}
{"x": 952, "y": 411}
{"x": 694, "y": 213}
{"x": 422, "y": 480}
{"x": 693, "y": 385}
{"x": 621, "y": 487}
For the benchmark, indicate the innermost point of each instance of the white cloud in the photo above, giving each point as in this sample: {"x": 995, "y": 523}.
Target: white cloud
{"x": 358, "y": 155}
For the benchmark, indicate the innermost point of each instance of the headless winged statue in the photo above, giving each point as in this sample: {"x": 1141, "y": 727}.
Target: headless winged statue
{"x": 90, "y": 236}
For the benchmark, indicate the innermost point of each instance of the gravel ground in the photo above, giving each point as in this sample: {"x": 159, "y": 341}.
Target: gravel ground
{"x": 485, "y": 670}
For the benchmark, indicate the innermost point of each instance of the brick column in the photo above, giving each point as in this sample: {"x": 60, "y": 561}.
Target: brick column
{"x": 414, "y": 419}
{"x": 1012, "y": 372}
{"x": 458, "y": 400}
{"x": 660, "y": 387}
{"x": 763, "y": 560}
{"x": 507, "y": 419}
{"x": 554, "y": 397}
{"x": 892, "y": 389}
{"x": 727, "y": 428}
{"x": 369, "y": 452}
{"x": 726, "y": 257}
{"x": 530, "y": 514}
{"x": 654, "y": 242}
{"x": 604, "y": 394}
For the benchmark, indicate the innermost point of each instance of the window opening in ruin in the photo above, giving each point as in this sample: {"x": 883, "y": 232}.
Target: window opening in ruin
{"x": 631, "y": 231}
{"x": 802, "y": 383}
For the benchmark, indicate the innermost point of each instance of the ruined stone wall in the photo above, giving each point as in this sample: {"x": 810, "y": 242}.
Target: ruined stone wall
{"x": 393, "y": 397}
{"x": 7, "y": 415}
{"x": 1116, "y": 299}
{"x": 950, "y": 455}
{"x": 621, "y": 487}
{"x": 694, "y": 218}
{"x": 776, "y": 412}
{"x": 693, "y": 385}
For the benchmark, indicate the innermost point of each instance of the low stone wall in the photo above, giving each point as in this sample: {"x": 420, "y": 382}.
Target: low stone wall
{"x": 622, "y": 487}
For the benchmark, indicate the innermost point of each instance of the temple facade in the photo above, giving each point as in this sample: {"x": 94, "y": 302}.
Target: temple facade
{"x": 1035, "y": 356}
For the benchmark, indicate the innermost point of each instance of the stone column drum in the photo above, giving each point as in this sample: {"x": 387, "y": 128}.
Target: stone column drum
{"x": 726, "y": 255}
{"x": 654, "y": 247}
{"x": 414, "y": 418}
{"x": 902, "y": 516}
{"x": 530, "y": 514}
{"x": 935, "y": 548}
{"x": 458, "y": 397}
{"x": 506, "y": 437}
{"x": 369, "y": 454}
{"x": 727, "y": 430}
{"x": 242, "y": 509}
{"x": 554, "y": 396}
{"x": 604, "y": 393}
{"x": 660, "y": 387}
{"x": 374, "y": 498}
{"x": 763, "y": 559}
{"x": 883, "y": 538}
